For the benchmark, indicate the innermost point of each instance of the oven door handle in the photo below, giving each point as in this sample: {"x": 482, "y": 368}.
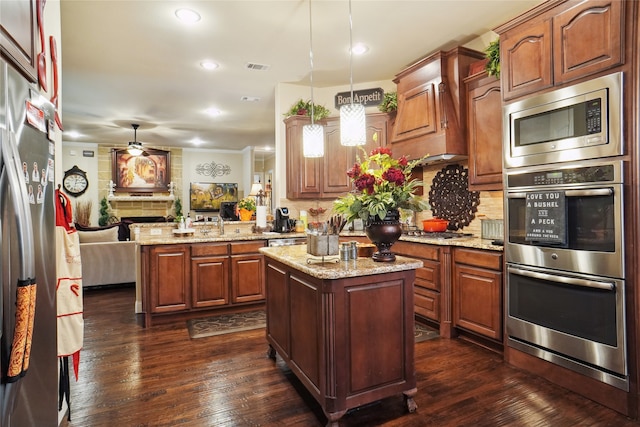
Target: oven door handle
{"x": 592, "y": 192}
{"x": 589, "y": 193}
{"x": 563, "y": 279}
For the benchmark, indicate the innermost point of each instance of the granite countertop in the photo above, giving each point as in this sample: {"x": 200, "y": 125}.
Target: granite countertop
{"x": 199, "y": 237}
{"x": 297, "y": 257}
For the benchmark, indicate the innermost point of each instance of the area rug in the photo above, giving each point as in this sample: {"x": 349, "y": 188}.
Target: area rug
{"x": 238, "y": 322}
{"x": 424, "y": 333}
{"x": 226, "y": 323}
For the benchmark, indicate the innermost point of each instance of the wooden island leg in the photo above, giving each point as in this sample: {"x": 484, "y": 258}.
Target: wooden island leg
{"x": 408, "y": 398}
{"x": 271, "y": 352}
{"x": 333, "y": 418}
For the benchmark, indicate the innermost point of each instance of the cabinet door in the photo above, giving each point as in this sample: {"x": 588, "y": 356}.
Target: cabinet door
{"x": 485, "y": 133}
{"x": 587, "y": 39}
{"x": 247, "y": 278}
{"x": 525, "y": 60}
{"x": 18, "y": 28}
{"x": 169, "y": 278}
{"x": 210, "y": 280}
{"x": 303, "y": 174}
{"x": 337, "y": 160}
{"x": 417, "y": 111}
{"x": 477, "y": 297}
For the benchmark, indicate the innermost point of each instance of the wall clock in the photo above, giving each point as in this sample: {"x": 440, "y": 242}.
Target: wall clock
{"x": 75, "y": 181}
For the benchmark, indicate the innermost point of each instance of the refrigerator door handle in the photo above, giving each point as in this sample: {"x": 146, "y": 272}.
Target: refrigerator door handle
{"x": 20, "y": 199}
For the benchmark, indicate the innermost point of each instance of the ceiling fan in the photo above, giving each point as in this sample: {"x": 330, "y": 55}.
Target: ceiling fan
{"x": 135, "y": 147}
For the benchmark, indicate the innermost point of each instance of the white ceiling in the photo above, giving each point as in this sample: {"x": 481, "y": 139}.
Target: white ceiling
{"x": 126, "y": 61}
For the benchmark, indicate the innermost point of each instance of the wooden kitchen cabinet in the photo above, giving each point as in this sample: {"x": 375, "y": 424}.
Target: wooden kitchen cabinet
{"x": 326, "y": 177}
{"x": 18, "y": 29}
{"x": 247, "y": 272}
{"x": 477, "y": 292}
{"x": 555, "y": 45}
{"x": 196, "y": 278}
{"x": 210, "y": 275}
{"x": 431, "y": 117}
{"x": 484, "y": 129}
{"x": 170, "y": 274}
{"x": 427, "y": 285}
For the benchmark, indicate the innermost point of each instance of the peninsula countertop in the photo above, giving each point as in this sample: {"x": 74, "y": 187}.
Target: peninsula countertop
{"x": 296, "y": 256}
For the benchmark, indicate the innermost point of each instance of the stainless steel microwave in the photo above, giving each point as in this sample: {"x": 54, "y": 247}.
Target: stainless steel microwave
{"x": 578, "y": 122}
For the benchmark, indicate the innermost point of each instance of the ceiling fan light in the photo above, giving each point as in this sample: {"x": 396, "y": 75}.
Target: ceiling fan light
{"x": 353, "y": 128}
{"x": 313, "y": 140}
{"x": 134, "y": 149}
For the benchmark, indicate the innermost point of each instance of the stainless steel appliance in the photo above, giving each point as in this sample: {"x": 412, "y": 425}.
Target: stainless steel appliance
{"x": 27, "y": 245}
{"x": 281, "y": 222}
{"x": 578, "y": 122}
{"x": 565, "y": 266}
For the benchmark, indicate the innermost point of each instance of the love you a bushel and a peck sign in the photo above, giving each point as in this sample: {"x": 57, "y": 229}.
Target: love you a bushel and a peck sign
{"x": 545, "y": 217}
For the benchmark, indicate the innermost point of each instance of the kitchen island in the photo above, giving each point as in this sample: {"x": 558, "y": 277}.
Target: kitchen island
{"x": 345, "y": 329}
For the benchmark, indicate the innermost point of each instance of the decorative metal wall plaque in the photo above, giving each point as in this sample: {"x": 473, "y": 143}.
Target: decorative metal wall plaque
{"x": 451, "y": 199}
{"x": 213, "y": 169}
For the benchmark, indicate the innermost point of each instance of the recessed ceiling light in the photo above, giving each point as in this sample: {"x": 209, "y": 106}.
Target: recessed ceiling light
{"x": 187, "y": 15}
{"x": 267, "y": 148}
{"x": 213, "y": 112}
{"x": 209, "y": 65}
{"x": 73, "y": 134}
{"x": 359, "y": 49}
{"x": 197, "y": 141}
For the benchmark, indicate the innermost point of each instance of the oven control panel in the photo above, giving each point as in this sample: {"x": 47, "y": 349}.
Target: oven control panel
{"x": 578, "y": 175}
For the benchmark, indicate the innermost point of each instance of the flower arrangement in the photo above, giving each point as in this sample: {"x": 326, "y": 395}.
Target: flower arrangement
{"x": 382, "y": 184}
{"x": 248, "y": 203}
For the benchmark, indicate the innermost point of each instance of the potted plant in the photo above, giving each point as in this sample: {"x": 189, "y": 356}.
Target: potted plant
{"x": 246, "y": 208}
{"x": 389, "y": 102}
{"x": 303, "y": 108}
{"x": 383, "y": 185}
{"x": 493, "y": 56}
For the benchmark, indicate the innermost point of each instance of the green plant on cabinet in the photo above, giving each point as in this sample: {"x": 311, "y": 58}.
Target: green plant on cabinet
{"x": 303, "y": 108}
{"x": 493, "y": 55}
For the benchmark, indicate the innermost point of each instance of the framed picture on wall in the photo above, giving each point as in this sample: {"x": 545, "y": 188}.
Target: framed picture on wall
{"x": 208, "y": 196}
{"x": 148, "y": 172}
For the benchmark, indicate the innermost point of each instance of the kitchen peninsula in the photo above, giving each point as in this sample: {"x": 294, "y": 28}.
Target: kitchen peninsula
{"x": 179, "y": 276}
{"x": 345, "y": 329}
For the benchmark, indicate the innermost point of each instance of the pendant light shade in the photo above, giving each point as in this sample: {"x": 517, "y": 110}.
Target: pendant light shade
{"x": 313, "y": 134}
{"x": 313, "y": 140}
{"x": 353, "y": 128}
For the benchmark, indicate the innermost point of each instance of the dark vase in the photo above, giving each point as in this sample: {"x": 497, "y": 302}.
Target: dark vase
{"x": 384, "y": 233}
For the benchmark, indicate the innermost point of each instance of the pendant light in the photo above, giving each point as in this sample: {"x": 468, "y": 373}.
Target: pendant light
{"x": 353, "y": 129}
{"x": 313, "y": 134}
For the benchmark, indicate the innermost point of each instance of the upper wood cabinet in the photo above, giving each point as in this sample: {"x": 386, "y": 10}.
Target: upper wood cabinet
{"x": 555, "y": 45}
{"x": 18, "y": 28}
{"x": 431, "y": 116}
{"x": 326, "y": 177}
{"x": 484, "y": 129}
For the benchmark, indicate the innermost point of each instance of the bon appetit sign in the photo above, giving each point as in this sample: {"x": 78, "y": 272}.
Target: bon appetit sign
{"x": 545, "y": 217}
{"x": 366, "y": 97}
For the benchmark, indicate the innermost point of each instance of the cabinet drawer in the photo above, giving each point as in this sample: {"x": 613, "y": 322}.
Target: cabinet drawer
{"x": 208, "y": 249}
{"x": 427, "y": 303}
{"x": 429, "y": 275}
{"x": 417, "y": 250}
{"x": 490, "y": 260}
{"x": 247, "y": 247}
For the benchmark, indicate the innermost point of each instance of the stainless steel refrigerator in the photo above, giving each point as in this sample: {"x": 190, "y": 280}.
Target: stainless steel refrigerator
{"x": 27, "y": 252}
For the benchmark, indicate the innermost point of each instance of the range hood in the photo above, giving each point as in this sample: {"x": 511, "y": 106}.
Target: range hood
{"x": 443, "y": 158}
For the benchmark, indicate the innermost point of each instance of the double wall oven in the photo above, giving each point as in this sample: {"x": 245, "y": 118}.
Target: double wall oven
{"x": 564, "y": 244}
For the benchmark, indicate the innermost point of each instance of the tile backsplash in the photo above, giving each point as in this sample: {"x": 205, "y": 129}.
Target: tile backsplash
{"x": 490, "y": 206}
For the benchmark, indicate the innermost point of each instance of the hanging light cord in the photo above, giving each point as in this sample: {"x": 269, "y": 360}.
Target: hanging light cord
{"x": 311, "y": 61}
{"x": 351, "y": 51}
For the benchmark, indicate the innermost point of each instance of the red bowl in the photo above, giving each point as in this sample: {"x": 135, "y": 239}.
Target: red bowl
{"x": 434, "y": 225}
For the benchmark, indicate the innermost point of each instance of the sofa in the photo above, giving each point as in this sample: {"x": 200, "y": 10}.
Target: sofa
{"x": 106, "y": 259}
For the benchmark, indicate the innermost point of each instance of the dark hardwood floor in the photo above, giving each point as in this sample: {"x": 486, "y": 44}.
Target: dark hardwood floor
{"x": 131, "y": 376}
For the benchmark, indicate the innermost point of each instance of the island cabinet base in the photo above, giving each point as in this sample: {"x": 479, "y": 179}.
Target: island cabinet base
{"x": 350, "y": 341}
